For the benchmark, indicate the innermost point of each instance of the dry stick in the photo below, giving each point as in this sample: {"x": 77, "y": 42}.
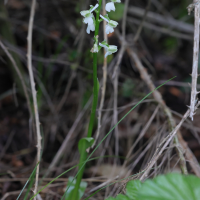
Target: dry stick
{"x": 115, "y": 113}
{"x": 137, "y": 35}
{"x": 194, "y": 92}
{"x": 180, "y": 146}
{"x": 103, "y": 89}
{"x": 67, "y": 89}
{"x": 20, "y": 76}
{"x": 8, "y": 142}
{"x": 29, "y": 57}
{"x": 163, "y": 20}
{"x": 115, "y": 84}
{"x": 160, "y": 29}
{"x": 124, "y": 19}
{"x": 158, "y": 98}
{"x": 64, "y": 144}
{"x": 146, "y": 127}
{"x": 157, "y": 95}
{"x": 162, "y": 146}
{"x": 115, "y": 77}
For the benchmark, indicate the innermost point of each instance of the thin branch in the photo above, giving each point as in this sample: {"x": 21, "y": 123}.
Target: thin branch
{"x": 137, "y": 35}
{"x": 34, "y": 95}
{"x": 194, "y": 92}
{"x": 20, "y": 76}
{"x": 124, "y": 19}
{"x": 62, "y": 148}
{"x": 103, "y": 89}
{"x": 164, "y": 145}
{"x": 158, "y": 97}
{"x": 115, "y": 77}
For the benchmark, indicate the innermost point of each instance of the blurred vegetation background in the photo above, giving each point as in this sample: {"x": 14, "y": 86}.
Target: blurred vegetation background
{"x": 62, "y": 66}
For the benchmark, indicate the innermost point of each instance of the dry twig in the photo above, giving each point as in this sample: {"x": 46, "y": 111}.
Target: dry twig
{"x": 164, "y": 145}
{"x": 158, "y": 98}
{"x": 20, "y": 76}
{"x": 34, "y": 94}
{"x": 180, "y": 146}
{"x": 103, "y": 89}
{"x": 194, "y": 92}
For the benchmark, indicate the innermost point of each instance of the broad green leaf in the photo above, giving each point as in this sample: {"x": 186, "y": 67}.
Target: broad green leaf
{"x": 85, "y": 143}
{"x": 122, "y": 197}
{"x": 132, "y": 189}
{"x": 81, "y": 190}
{"x": 110, "y": 198}
{"x": 97, "y": 85}
{"x": 171, "y": 187}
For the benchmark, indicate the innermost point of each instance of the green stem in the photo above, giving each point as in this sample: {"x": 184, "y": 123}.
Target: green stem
{"x": 95, "y": 89}
{"x": 84, "y": 154}
{"x": 83, "y": 157}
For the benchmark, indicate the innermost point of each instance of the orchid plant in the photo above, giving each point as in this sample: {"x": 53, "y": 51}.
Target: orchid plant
{"x": 76, "y": 188}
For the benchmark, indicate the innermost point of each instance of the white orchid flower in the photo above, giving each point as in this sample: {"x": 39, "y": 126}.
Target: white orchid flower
{"x": 89, "y": 18}
{"x": 110, "y": 49}
{"x": 110, "y": 26}
{"x": 90, "y": 27}
{"x": 111, "y": 6}
{"x": 95, "y": 48}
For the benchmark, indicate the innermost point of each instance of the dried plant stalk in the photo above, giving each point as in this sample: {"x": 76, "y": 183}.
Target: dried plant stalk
{"x": 194, "y": 92}
{"x": 33, "y": 90}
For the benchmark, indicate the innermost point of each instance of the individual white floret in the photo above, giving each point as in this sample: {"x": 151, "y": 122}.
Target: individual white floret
{"x": 110, "y": 49}
{"x": 111, "y": 6}
{"x": 89, "y": 18}
{"x": 90, "y": 27}
{"x": 110, "y": 26}
{"x": 95, "y": 48}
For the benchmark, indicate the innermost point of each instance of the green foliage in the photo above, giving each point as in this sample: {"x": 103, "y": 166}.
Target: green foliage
{"x": 170, "y": 44}
{"x": 73, "y": 55}
{"x": 132, "y": 188}
{"x": 76, "y": 187}
{"x": 171, "y": 187}
{"x": 110, "y": 198}
{"x": 122, "y": 197}
{"x": 85, "y": 143}
{"x": 128, "y": 88}
{"x": 118, "y": 14}
{"x": 164, "y": 187}
{"x": 86, "y": 96}
{"x": 31, "y": 179}
{"x": 72, "y": 183}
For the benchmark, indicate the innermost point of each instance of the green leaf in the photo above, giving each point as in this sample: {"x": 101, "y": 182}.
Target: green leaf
{"x": 110, "y": 198}
{"x": 171, "y": 187}
{"x": 132, "y": 189}
{"x": 122, "y": 197}
{"x": 85, "y": 143}
{"x": 97, "y": 85}
{"x": 81, "y": 190}
{"x": 118, "y": 14}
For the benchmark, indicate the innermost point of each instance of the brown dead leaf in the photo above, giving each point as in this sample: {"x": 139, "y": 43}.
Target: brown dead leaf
{"x": 175, "y": 91}
{"x": 16, "y": 162}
